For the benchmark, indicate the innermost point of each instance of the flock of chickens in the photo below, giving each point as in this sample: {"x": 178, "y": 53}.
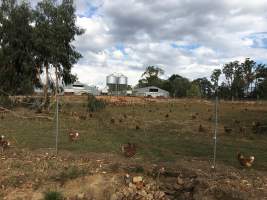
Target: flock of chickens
{"x": 130, "y": 149}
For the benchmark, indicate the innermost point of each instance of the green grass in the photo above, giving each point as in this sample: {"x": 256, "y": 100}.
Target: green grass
{"x": 53, "y": 195}
{"x": 159, "y": 138}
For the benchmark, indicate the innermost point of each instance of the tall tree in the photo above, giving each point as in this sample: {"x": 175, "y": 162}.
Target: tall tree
{"x": 177, "y": 85}
{"x": 238, "y": 82}
{"x": 151, "y": 77}
{"x": 215, "y": 78}
{"x": 260, "y": 90}
{"x": 193, "y": 91}
{"x": 65, "y": 30}
{"x": 55, "y": 29}
{"x": 228, "y": 71}
{"x": 249, "y": 67}
{"x": 16, "y": 43}
{"x": 205, "y": 87}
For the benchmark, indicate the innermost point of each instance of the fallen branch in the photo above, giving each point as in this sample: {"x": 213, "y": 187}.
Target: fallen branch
{"x": 23, "y": 117}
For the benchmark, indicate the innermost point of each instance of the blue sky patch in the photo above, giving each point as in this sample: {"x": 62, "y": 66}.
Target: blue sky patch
{"x": 90, "y": 11}
{"x": 259, "y": 40}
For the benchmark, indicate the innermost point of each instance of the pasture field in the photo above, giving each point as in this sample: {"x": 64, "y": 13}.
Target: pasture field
{"x": 165, "y": 131}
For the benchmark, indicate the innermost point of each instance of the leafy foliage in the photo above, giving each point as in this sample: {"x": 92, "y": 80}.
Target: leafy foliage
{"x": 194, "y": 91}
{"x": 94, "y": 104}
{"x": 53, "y": 195}
{"x": 16, "y": 48}
{"x": 215, "y": 77}
{"x": 243, "y": 80}
{"x": 177, "y": 85}
{"x": 246, "y": 79}
{"x": 33, "y": 41}
{"x": 205, "y": 87}
{"x": 151, "y": 77}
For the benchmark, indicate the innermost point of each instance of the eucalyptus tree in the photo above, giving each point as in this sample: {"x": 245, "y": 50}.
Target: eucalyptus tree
{"x": 249, "y": 66}
{"x": 228, "y": 71}
{"x": 215, "y": 77}
{"x": 55, "y": 30}
{"x": 151, "y": 77}
{"x": 205, "y": 87}
{"x": 238, "y": 84}
{"x": 177, "y": 85}
{"x": 16, "y": 43}
{"x": 261, "y": 81}
{"x": 65, "y": 30}
{"x": 193, "y": 91}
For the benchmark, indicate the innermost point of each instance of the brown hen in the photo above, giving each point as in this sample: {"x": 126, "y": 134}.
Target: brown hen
{"x": 246, "y": 162}
{"x": 129, "y": 149}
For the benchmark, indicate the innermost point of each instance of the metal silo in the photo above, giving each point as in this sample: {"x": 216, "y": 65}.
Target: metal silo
{"x": 112, "y": 83}
{"x": 117, "y": 84}
{"x": 122, "y": 80}
{"x": 112, "y": 79}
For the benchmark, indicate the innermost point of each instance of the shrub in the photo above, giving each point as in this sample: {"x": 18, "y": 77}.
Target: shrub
{"x": 53, "y": 195}
{"x": 94, "y": 105}
{"x": 193, "y": 91}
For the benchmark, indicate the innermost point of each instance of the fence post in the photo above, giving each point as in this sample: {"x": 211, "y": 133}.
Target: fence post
{"x": 215, "y": 130}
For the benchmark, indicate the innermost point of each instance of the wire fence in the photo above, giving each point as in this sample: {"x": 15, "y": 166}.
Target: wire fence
{"x": 21, "y": 124}
{"x": 44, "y": 130}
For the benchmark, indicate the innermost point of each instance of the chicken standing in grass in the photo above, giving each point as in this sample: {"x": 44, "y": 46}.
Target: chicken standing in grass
{"x": 4, "y": 144}
{"x": 74, "y": 136}
{"x": 246, "y": 162}
{"x": 129, "y": 149}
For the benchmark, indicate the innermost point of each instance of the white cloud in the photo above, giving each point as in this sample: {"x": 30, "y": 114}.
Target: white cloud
{"x": 96, "y": 36}
{"x": 126, "y": 36}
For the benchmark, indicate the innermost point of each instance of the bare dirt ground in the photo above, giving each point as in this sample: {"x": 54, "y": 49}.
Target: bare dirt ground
{"x": 27, "y": 175}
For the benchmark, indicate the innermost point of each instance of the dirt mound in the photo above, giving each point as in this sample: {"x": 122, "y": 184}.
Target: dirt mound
{"x": 27, "y": 175}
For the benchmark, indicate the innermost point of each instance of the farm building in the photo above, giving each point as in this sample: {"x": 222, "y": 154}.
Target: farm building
{"x": 78, "y": 88}
{"x": 151, "y": 91}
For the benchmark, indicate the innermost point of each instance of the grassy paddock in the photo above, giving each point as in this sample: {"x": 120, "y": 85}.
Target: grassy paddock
{"x": 160, "y": 137}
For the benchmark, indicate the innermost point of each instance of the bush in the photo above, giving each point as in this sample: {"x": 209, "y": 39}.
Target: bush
{"x": 193, "y": 91}
{"x": 94, "y": 105}
{"x": 53, "y": 195}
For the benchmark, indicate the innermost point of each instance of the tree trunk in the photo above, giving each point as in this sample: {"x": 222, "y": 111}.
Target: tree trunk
{"x": 56, "y": 73}
{"x": 46, "y": 97}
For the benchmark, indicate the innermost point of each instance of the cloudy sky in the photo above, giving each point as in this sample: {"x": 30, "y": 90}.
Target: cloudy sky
{"x": 186, "y": 37}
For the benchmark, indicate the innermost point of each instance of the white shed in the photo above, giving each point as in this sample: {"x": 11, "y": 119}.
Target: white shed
{"x": 151, "y": 91}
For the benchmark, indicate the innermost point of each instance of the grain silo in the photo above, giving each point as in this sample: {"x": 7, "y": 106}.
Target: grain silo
{"x": 117, "y": 84}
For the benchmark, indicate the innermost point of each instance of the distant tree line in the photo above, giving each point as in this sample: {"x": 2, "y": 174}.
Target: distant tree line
{"x": 34, "y": 41}
{"x": 245, "y": 80}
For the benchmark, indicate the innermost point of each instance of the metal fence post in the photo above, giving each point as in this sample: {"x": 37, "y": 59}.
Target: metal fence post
{"x": 215, "y": 131}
